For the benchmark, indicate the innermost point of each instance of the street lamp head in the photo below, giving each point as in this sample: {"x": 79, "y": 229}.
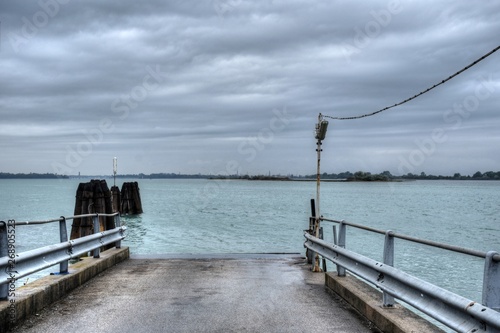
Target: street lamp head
{"x": 321, "y": 130}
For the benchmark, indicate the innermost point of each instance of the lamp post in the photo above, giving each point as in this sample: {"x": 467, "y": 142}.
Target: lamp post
{"x": 321, "y": 128}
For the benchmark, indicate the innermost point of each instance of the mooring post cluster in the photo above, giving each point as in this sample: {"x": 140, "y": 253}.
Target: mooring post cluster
{"x": 92, "y": 197}
{"x": 95, "y": 197}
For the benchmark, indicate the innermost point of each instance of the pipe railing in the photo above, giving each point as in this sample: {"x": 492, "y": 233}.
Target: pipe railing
{"x": 443, "y": 246}
{"x": 453, "y": 310}
{"x": 17, "y": 265}
{"x": 67, "y": 218}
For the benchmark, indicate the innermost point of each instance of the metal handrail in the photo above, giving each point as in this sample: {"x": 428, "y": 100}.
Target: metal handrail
{"x": 450, "y": 309}
{"x": 32, "y": 261}
{"x": 61, "y": 218}
{"x": 443, "y": 246}
{"x": 14, "y": 266}
{"x": 454, "y": 311}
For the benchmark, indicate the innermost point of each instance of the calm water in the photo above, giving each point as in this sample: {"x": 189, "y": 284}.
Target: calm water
{"x": 213, "y": 216}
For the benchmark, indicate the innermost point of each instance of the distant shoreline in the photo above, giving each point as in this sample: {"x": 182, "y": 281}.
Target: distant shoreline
{"x": 352, "y": 180}
{"x": 4, "y": 175}
{"x": 283, "y": 179}
{"x": 358, "y": 176}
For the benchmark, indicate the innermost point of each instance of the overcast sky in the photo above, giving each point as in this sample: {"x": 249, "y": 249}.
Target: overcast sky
{"x": 220, "y": 86}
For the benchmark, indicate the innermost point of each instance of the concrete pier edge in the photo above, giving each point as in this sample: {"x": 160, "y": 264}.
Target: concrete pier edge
{"x": 368, "y": 301}
{"x": 33, "y": 297}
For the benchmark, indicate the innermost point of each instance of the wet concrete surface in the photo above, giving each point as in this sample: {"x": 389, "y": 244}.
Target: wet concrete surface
{"x": 239, "y": 294}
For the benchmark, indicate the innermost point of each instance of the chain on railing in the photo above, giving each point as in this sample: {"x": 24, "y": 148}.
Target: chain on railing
{"x": 17, "y": 265}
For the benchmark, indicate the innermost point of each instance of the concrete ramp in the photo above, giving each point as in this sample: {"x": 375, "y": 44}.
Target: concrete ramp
{"x": 225, "y": 293}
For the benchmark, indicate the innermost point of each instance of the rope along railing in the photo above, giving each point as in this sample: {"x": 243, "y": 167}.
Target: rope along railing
{"x": 14, "y": 265}
{"x": 454, "y": 311}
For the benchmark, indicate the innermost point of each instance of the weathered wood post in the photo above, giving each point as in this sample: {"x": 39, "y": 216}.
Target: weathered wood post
{"x": 84, "y": 199}
{"x": 126, "y": 201}
{"x": 92, "y": 197}
{"x": 115, "y": 199}
{"x": 130, "y": 199}
{"x": 137, "y": 197}
{"x": 108, "y": 206}
{"x": 99, "y": 205}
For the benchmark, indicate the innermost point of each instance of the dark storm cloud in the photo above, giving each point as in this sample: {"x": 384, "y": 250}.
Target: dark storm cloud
{"x": 182, "y": 86}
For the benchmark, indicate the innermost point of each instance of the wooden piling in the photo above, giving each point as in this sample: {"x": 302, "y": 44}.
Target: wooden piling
{"x": 108, "y": 206}
{"x": 137, "y": 197}
{"x": 84, "y": 199}
{"x": 96, "y": 197}
{"x": 99, "y": 205}
{"x": 92, "y": 197}
{"x": 130, "y": 199}
{"x": 115, "y": 199}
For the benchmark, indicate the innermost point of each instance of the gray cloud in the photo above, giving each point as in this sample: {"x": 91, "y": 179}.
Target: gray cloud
{"x": 189, "y": 86}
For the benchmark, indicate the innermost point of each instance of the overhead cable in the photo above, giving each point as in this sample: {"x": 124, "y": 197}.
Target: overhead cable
{"x": 420, "y": 93}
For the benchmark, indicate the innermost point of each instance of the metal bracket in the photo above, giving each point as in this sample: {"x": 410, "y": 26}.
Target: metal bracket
{"x": 491, "y": 282}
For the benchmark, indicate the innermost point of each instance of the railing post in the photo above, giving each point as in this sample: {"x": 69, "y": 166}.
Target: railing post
{"x": 323, "y": 259}
{"x": 63, "y": 236}
{"x": 335, "y": 242}
{"x": 388, "y": 300}
{"x": 491, "y": 282}
{"x": 341, "y": 243}
{"x": 97, "y": 229}
{"x": 118, "y": 244}
{"x": 4, "y": 288}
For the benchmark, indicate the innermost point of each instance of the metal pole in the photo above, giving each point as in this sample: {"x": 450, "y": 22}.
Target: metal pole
{"x": 118, "y": 244}
{"x": 388, "y": 300}
{"x": 318, "y": 175}
{"x": 324, "y": 260}
{"x": 312, "y": 222}
{"x": 316, "y": 267}
{"x": 63, "y": 236}
{"x": 321, "y": 127}
{"x": 97, "y": 230}
{"x": 341, "y": 240}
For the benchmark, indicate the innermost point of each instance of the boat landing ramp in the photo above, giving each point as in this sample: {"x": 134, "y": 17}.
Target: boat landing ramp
{"x": 198, "y": 293}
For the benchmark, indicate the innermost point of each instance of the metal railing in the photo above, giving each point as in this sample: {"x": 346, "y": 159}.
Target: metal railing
{"x": 454, "y": 311}
{"x": 14, "y": 265}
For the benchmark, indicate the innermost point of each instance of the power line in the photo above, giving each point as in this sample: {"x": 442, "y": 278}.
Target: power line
{"x": 420, "y": 93}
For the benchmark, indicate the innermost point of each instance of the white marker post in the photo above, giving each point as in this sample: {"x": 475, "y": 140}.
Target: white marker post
{"x": 115, "y": 168}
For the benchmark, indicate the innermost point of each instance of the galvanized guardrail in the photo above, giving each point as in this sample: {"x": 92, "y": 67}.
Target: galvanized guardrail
{"x": 454, "y": 311}
{"x": 17, "y": 265}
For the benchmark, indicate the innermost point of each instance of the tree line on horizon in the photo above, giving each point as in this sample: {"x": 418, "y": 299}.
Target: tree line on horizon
{"x": 387, "y": 176}
{"x": 347, "y": 175}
